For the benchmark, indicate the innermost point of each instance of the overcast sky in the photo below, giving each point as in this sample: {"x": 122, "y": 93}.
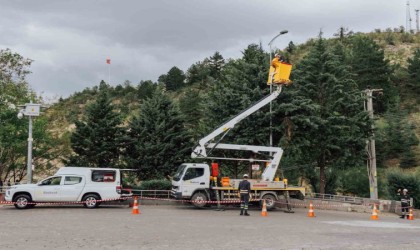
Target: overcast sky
{"x": 69, "y": 41}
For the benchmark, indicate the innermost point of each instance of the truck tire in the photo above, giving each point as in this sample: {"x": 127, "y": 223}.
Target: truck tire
{"x": 91, "y": 201}
{"x": 270, "y": 201}
{"x": 22, "y": 201}
{"x": 199, "y": 200}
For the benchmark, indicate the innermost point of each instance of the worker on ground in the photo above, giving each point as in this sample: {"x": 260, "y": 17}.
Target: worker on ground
{"x": 405, "y": 202}
{"x": 244, "y": 190}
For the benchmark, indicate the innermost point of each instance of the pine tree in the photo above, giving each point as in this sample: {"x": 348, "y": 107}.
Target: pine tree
{"x": 191, "y": 106}
{"x": 216, "y": 64}
{"x": 414, "y": 72}
{"x": 173, "y": 80}
{"x": 145, "y": 89}
{"x": 199, "y": 74}
{"x": 158, "y": 141}
{"x": 97, "y": 140}
{"x": 372, "y": 71}
{"x": 329, "y": 126}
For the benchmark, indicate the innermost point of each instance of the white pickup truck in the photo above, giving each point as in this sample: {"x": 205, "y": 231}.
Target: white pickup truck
{"x": 70, "y": 184}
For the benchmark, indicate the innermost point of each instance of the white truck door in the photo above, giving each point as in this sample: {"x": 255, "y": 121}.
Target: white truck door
{"x": 194, "y": 178}
{"x": 48, "y": 190}
{"x": 72, "y": 187}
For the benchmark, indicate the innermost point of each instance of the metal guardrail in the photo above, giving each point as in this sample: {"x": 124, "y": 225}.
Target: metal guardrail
{"x": 337, "y": 198}
{"x": 152, "y": 193}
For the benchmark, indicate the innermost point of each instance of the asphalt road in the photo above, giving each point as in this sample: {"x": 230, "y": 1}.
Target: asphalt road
{"x": 182, "y": 227}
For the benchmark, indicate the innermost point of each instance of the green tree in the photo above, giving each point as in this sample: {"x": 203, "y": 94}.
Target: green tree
{"x": 173, "y": 80}
{"x": 97, "y": 140}
{"x": 199, "y": 74}
{"x": 14, "y": 90}
{"x": 414, "y": 71}
{"x": 191, "y": 106}
{"x": 158, "y": 141}
{"x": 291, "y": 47}
{"x": 216, "y": 64}
{"x": 326, "y": 113}
{"x": 145, "y": 89}
{"x": 371, "y": 70}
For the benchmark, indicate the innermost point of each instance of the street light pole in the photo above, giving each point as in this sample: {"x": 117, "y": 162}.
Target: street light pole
{"x": 29, "y": 160}
{"x": 271, "y": 85}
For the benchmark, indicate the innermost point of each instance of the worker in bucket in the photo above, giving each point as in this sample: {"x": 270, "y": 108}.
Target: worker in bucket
{"x": 405, "y": 202}
{"x": 244, "y": 190}
{"x": 277, "y": 60}
{"x": 275, "y": 70}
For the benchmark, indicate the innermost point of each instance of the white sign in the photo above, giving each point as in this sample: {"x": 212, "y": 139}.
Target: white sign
{"x": 32, "y": 109}
{"x": 255, "y": 167}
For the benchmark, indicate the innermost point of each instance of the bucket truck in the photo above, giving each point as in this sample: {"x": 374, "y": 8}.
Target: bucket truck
{"x": 198, "y": 182}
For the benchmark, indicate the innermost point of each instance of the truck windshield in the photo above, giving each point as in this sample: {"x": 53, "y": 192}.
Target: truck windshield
{"x": 179, "y": 172}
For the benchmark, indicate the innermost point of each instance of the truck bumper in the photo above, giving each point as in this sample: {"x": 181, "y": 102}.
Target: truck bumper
{"x": 7, "y": 196}
{"x": 176, "y": 195}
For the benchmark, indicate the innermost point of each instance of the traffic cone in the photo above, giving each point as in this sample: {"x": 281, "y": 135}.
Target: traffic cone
{"x": 410, "y": 215}
{"x": 264, "y": 210}
{"x": 374, "y": 215}
{"x": 136, "y": 206}
{"x": 311, "y": 212}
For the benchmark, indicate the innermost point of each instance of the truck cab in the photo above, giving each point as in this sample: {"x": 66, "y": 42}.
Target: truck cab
{"x": 189, "y": 179}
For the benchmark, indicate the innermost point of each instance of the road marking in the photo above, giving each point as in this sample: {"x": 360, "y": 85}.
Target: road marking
{"x": 377, "y": 224}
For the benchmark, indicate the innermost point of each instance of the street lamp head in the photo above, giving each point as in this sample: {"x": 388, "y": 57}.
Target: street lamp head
{"x": 283, "y": 32}
{"x": 20, "y": 115}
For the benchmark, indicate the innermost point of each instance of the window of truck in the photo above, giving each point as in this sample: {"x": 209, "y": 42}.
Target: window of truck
{"x": 193, "y": 173}
{"x": 55, "y": 180}
{"x": 72, "y": 180}
{"x": 179, "y": 172}
{"x": 103, "y": 175}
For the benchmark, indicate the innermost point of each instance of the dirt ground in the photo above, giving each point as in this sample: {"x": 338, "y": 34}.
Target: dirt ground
{"x": 183, "y": 227}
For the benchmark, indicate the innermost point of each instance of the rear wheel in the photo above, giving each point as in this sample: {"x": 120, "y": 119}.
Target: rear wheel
{"x": 270, "y": 201}
{"x": 91, "y": 201}
{"x": 199, "y": 200}
{"x": 22, "y": 200}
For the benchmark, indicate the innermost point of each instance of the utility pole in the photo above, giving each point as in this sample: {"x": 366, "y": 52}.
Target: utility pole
{"x": 371, "y": 151}
{"x": 417, "y": 21}
{"x": 408, "y": 18}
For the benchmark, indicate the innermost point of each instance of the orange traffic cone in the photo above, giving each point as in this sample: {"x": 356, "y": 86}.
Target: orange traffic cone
{"x": 264, "y": 210}
{"x": 374, "y": 215}
{"x": 311, "y": 212}
{"x": 410, "y": 215}
{"x": 136, "y": 206}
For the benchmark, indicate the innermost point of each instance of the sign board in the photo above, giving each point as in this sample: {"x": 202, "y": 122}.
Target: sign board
{"x": 255, "y": 167}
{"x": 32, "y": 109}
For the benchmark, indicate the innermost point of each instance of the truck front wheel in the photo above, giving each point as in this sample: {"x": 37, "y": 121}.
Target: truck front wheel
{"x": 91, "y": 201}
{"x": 270, "y": 201}
{"x": 22, "y": 200}
{"x": 199, "y": 200}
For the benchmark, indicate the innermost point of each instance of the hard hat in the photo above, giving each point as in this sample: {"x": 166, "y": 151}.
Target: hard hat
{"x": 405, "y": 190}
{"x": 276, "y": 55}
{"x": 245, "y": 176}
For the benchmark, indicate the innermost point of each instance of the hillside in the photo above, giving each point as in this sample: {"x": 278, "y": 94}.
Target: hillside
{"x": 398, "y": 46}
{"x": 397, "y": 123}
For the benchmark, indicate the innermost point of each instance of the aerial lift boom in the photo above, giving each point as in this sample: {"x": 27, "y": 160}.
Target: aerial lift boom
{"x": 270, "y": 171}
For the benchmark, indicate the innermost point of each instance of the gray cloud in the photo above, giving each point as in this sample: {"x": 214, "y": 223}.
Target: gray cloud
{"x": 70, "y": 40}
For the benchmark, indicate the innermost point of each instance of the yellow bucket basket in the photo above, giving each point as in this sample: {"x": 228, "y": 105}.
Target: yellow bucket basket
{"x": 281, "y": 74}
